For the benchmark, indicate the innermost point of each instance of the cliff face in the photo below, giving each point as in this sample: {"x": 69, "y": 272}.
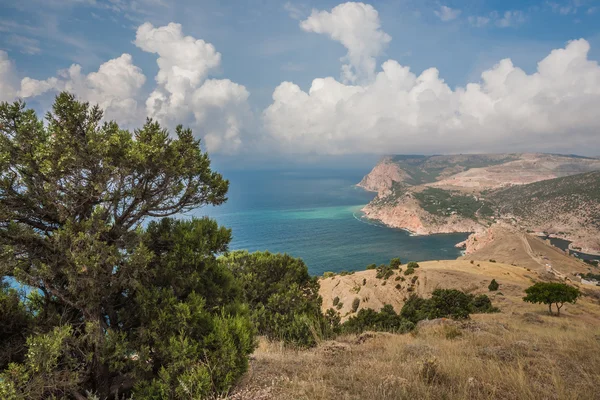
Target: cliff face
{"x": 382, "y": 176}
{"x": 445, "y": 194}
{"x": 409, "y": 215}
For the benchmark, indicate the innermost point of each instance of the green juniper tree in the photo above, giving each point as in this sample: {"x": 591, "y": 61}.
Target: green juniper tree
{"x": 551, "y": 293}
{"x": 118, "y": 307}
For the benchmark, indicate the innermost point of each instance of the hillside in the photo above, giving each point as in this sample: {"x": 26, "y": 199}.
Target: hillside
{"x": 567, "y": 207}
{"x": 518, "y": 353}
{"x": 467, "y": 193}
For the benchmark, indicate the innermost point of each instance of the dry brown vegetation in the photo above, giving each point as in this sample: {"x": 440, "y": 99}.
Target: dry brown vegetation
{"x": 525, "y": 355}
{"x": 519, "y": 353}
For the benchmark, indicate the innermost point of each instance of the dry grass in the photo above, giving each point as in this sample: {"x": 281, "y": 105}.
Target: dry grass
{"x": 519, "y": 356}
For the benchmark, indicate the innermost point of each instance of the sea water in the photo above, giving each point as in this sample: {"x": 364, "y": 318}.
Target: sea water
{"x": 315, "y": 215}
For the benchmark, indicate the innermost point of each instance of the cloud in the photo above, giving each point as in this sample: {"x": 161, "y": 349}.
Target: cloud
{"x": 446, "y": 13}
{"x": 114, "y": 87}
{"x": 357, "y": 27}
{"x": 295, "y": 11}
{"x": 8, "y": 78}
{"x": 24, "y": 44}
{"x": 401, "y": 112}
{"x": 218, "y": 109}
{"x": 479, "y": 21}
{"x": 510, "y": 18}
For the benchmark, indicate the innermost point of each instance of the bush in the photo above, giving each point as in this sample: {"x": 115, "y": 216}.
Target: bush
{"x": 412, "y": 265}
{"x": 336, "y": 300}
{"x": 355, "y": 304}
{"x": 492, "y": 261}
{"x": 386, "y": 320}
{"x": 339, "y": 306}
{"x": 364, "y": 281}
{"x": 409, "y": 271}
{"x": 371, "y": 266}
{"x": 398, "y": 286}
{"x": 445, "y": 303}
{"x": 328, "y": 274}
{"x": 283, "y": 297}
{"x": 395, "y": 263}
{"x": 384, "y": 272}
{"x": 414, "y": 279}
{"x": 482, "y": 304}
{"x": 493, "y": 286}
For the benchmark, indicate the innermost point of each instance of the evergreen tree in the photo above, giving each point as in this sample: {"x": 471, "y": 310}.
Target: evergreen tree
{"x": 117, "y": 309}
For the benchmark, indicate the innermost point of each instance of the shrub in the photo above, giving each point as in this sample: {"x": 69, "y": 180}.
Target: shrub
{"x": 492, "y": 261}
{"x": 493, "y": 286}
{"x": 397, "y": 278}
{"x": 355, "y": 304}
{"x": 551, "y": 293}
{"x": 283, "y": 297}
{"x": 384, "y": 272}
{"x": 395, "y": 263}
{"x": 445, "y": 303}
{"x": 452, "y": 332}
{"x": 414, "y": 279}
{"x": 336, "y": 300}
{"x": 398, "y": 286}
{"x": 371, "y": 266}
{"x": 333, "y": 318}
{"x": 328, "y": 274}
{"x": 482, "y": 304}
{"x": 409, "y": 271}
{"x": 364, "y": 281}
{"x": 386, "y": 320}
{"x": 339, "y": 306}
{"x": 472, "y": 262}
{"x": 412, "y": 265}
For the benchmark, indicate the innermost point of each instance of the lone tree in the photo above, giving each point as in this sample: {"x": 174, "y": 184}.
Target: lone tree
{"x": 119, "y": 307}
{"x": 493, "y": 286}
{"x": 551, "y": 293}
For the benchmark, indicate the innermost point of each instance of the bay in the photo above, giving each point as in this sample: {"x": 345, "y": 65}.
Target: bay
{"x": 315, "y": 215}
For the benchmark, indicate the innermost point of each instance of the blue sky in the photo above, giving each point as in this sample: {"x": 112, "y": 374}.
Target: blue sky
{"x": 262, "y": 44}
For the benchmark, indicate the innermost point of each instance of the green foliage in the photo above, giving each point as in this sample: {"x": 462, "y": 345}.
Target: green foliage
{"x": 336, "y": 300}
{"x": 384, "y": 272}
{"x": 444, "y": 203}
{"x": 364, "y": 281}
{"x": 414, "y": 279}
{"x": 328, "y": 274}
{"x": 412, "y": 265}
{"x": 116, "y": 309}
{"x": 15, "y": 325}
{"x": 445, "y": 303}
{"x": 355, "y": 304}
{"x": 395, "y": 263}
{"x": 283, "y": 297}
{"x": 371, "y": 266}
{"x": 551, "y": 293}
{"x": 493, "y": 286}
{"x": 385, "y": 320}
{"x": 333, "y": 318}
{"x": 591, "y": 276}
{"x": 409, "y": 271}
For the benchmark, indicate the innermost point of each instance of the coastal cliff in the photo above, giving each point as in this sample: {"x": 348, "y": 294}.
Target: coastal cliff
{"x": 555, "y": 194}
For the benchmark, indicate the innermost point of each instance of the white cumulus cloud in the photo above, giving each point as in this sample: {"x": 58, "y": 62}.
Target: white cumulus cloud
{"x": 402, "y": 112}
{"x": 114, "y": 87}
{"x": 217, "y": 109}
{"x": 357, "y": 27}
{"x": 8, "y": 78}
{"x": 446, "y": 13}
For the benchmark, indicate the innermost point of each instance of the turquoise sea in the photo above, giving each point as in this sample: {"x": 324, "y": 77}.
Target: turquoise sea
{"x": 315, "y": 215}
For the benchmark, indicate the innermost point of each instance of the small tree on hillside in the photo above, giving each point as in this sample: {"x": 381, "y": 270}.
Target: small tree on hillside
{"x": 395, "y": 263}
{"x": 493, "y": 286}
{"x": 551, "y": 293}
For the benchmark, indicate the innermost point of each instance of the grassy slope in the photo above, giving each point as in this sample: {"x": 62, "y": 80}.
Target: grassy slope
{"x": 539, "y": 202}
